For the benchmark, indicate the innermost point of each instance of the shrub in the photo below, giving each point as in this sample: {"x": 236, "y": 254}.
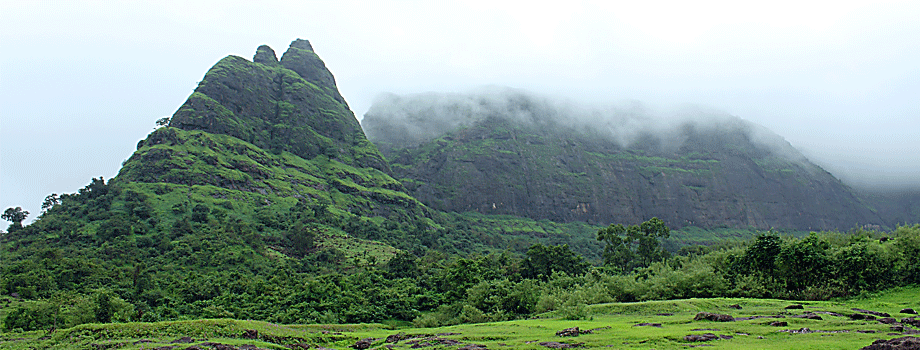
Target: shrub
{"x": 32, "y": 316}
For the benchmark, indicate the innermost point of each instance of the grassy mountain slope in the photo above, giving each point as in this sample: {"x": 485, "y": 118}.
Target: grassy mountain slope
{"x": 521, "y": 155}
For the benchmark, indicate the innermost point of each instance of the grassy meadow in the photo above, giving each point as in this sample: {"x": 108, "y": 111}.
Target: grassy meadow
{"x": 612, "y": 325}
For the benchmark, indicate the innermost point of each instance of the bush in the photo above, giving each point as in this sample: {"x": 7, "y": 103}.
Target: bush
{"x": 573, "y": 310}
{"x": 33, "y": 316}
{"x": 443, "y": 316}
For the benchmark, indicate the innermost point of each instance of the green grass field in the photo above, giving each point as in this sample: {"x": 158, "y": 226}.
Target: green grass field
{"x": 612, "y": 325}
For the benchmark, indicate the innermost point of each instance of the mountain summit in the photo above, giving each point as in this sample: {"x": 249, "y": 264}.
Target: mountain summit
{"x": 275, "y": 129}
{"x": 292, "y": 105}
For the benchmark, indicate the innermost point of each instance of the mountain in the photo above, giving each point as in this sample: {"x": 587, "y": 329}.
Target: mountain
{"x": 265, "y": 128}
{"x": 510, "y": 152}
{"x": 262, "y": 177}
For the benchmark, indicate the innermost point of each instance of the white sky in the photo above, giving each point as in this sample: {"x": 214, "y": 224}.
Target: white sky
{"x": 81, "y": 82}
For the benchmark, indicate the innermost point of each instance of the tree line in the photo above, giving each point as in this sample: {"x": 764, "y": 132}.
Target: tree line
{"x": 100, "y": 255}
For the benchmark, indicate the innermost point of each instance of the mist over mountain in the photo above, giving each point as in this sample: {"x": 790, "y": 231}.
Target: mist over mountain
{"x": 409, "y": 120}
{"x": 506, "y": 151}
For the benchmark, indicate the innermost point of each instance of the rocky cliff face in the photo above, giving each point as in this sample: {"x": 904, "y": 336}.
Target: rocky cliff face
{"x": 521, "y": 155}
{"x": 292, "y": 105}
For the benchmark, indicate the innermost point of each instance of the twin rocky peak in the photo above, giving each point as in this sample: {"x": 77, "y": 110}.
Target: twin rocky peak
{"x": 288, "y": 105}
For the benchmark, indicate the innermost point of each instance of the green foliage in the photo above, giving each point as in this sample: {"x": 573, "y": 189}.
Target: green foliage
{"x": 635, "y": 246}
{"x": 402, "y": 265}
{"x": 302, "y": 239}
{"x": 907, "y": 242}
{"x": 103, "y": 309}
{"x": 32, "y": 316}
{"x": 804, "y": 263}
{"x": 50, "y": 201}
{"x": 15, "y": 216}
{"x": 611, "y": 323}
{"x": 542, "y": 261}
{"x": 761, "y": 256}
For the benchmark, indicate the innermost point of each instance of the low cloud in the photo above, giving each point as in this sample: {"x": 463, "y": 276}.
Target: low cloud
{"x": 409, "y": 120}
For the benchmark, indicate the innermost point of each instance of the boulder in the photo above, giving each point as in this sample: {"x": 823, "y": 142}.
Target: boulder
{"x": 810, "y": 316}
{"x": 700, "y": 337}
{"x": 861, "y": 317}
{"x": 569, "y": 332}
{"x": 794, "y": 306}
{"x": 908, "y": 311}
{"x": 558, "y": 345}
{"x": 876, "y": 313}
{"x": 473, "y": 347}
{"x": 393, "y": 338}
{"x": 903, "y": 343}
{"x": 648, "y": 324}
{"x": 779, "y": 323}
{"x": 363, "y": 343}
{"x": 250, "y": 334}
{"x": 713, "y": 317}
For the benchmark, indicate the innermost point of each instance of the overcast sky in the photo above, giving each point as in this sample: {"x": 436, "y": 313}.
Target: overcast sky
{"x": 82, "y": 82}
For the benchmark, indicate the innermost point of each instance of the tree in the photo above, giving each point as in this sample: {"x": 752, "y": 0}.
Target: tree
{"x": 302, "y": 239}
{"x": 761, "y": 256}
{"x": 617, "y": 252}
{"x": 200, "y": 213}
{"x": 542, "y": 260}
{"x": 103, "y": 310}
{"x": 648, "y": 241}
{"x": 50, "y": 201}
{"x": 96, "y": 188}
{"x": 635, "y": 246}
{"x": 162, "y": 122}
{"x": 402, "y": 265}
{"x": 14, "y": 215}
{"x": 804, "y": 263}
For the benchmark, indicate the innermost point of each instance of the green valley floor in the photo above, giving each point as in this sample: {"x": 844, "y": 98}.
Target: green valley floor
{"x": 842, "y": 324}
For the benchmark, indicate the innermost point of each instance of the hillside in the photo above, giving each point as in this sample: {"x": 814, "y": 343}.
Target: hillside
{"x": 262, "y": 177}
{"x": 509, "y": 152}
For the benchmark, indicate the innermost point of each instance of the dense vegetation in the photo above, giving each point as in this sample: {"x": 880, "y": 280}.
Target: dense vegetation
{"x": 299, "y": 266}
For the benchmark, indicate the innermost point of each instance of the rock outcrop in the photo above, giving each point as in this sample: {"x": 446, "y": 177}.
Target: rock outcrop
{"x": 292, "y": 105}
